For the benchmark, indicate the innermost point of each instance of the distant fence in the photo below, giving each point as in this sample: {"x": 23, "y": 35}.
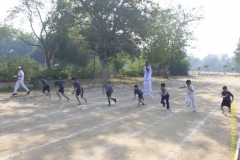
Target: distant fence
{"x": 220, "y": 74}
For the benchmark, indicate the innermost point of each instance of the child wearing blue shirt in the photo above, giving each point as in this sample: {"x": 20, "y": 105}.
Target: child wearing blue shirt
{"x": 60, "y": 84}
{"x": 45, "y": 87}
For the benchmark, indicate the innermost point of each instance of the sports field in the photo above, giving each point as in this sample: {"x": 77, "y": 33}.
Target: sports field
{"x": 36, "y": 128}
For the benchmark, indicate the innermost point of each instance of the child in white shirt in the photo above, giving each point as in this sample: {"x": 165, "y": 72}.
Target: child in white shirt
{"x": 190, "y": 96}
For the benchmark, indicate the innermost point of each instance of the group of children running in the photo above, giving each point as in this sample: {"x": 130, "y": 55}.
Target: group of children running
{"x": 108, "y": 90}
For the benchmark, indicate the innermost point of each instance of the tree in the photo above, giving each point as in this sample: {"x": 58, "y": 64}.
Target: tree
{"x": 206, "y": 66}
{"x": 171, "y": 35}
{"x": 112, "y": 27}
{"x": 237, "y": 53}
{"x": 53, "y": 23}
{"x": 224, "y": 67}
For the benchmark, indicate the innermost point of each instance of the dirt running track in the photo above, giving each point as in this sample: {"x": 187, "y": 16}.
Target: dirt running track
{"x": 36, "y": 128}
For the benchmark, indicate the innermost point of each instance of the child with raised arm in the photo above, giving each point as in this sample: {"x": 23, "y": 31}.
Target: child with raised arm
{"x": 45, "y": 87}
{"x": 226, "y": 95}
{"x": 190, "y": 96}
{"x": 78, "y": 89}
{"x": 165, "y": 96}
{"x": 109, "y": 91}
{"x": 140, "y": 95}
{"x": 60, "y": 84}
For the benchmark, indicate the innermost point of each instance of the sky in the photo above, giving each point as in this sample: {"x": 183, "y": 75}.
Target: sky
{"x": 218, "y": 33}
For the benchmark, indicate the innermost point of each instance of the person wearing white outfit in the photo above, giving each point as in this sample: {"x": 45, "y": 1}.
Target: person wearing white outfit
{"x": 190, "y": 96}
{"x": 20, "y": 81}
{"x": 147, "y": 84}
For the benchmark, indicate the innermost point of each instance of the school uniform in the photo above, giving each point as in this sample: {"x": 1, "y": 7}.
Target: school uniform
{"x": 46, "y": 86}
{"x": 139, "y": 93}
{"x": 77, "y": 85}
{"x": 227, "y": 101}
{"x": 190, "y": 97}
{"x": 165, "y": 96}
{"x": 19, "y": 82}
{"x": 109, "y": 91}
{"x": 147, "y": 84}
{"x": 60, "y": 84}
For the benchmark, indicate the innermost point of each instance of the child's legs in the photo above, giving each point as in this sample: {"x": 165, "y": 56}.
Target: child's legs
{"x": 167, "y": 100}
{"x": 193, "y": 102}
{"x": 162, "y": 100}
{"x": 58, "y": 93}
{"x": 77, "y": 96}
{"x": 187, "y": 100}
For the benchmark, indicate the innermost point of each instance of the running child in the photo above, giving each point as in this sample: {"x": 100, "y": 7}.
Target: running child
{"x": 60, "y": 84}
{"x": 108, "y": 92}
{"x": 165, "y": 96}
{"x": 45, "y": 87}
{"x": 140, "y": 95}
{"x": 79, "y": 90}
{"x": 226, "y": 95}
{"x": 190, "y": 96}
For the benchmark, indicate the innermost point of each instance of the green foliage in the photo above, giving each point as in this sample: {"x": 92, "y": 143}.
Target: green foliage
{"x": 8, "y": 68}
{"x": 34, "y": 82}
{"x": 180, "y": 69}
{"x": 54, "y": 72}
{"x": 134, "y": 68}
{"x": 237, "y": 53}
{"x": 117, "y": 64}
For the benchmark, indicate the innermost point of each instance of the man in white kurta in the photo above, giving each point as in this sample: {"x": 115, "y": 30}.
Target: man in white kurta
{"x": 147, "y": 84}
{"x": 20, "y": 81}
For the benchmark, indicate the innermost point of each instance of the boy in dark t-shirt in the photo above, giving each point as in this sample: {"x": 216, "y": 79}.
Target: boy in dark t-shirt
{"x": 108, "y": 92}
{"x": 79, "y": 89}
{"x": 60, "y": 83}
{"x": 226, "y": 95}
{"x": 139, "y": 93}
{"x": 45, "y": 87}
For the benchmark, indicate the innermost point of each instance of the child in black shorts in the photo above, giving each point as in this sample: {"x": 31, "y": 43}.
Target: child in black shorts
{"x": 165, "y": 96}
{"x": 79, "y": 90}
{"x": 45, "y": 87}
{"x": 60, "y": 83}
{"x": 226, "y": 95}
{"x": 108, "y": 92}
{"x": 140, "y": 95}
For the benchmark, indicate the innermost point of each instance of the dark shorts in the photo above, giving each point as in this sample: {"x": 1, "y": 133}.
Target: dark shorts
{"x": 108, "y": 94}
{"x": 46, "y": 88}
{"x": 140, "y": 96}
{"x": 226, "y": 102}
{"x": 61, "y": 90}
{"x": 78, "y": 92}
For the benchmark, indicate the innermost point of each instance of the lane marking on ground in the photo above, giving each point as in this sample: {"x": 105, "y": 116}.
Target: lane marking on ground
{"x": 180, "y": 145}
{"x": 68, "y": 119}
{"x": 74, "y": 134}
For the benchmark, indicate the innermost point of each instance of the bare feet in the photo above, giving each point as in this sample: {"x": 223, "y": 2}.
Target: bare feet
{"x": 143, "y": 103}
{"x": 85, "y": 100}
{"x": 79, "y": 104}
{"x": 68, "y": 100}
{"x": 223, "y": 112}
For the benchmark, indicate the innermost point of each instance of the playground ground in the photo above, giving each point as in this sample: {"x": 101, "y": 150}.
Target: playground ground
{"x": 34, "y": 127}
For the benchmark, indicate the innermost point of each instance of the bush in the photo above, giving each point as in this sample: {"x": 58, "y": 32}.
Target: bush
{"x": 8, "y": 68}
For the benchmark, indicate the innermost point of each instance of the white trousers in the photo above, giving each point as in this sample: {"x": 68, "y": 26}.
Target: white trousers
{"x": 190, "y": 99}
{"x": 147, "y": 85}
{"x": 17, "y": 84}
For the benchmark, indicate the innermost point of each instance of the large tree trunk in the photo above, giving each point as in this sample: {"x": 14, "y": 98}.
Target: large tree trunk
{"x": 48, "y": 60}
{"x": 104, "y": 70}
{"x": 165, "y": 70}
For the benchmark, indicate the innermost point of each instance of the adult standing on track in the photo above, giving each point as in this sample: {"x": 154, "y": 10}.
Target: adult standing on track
{"x": 147, "y": 84}
{"x": 20, "y": 81}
